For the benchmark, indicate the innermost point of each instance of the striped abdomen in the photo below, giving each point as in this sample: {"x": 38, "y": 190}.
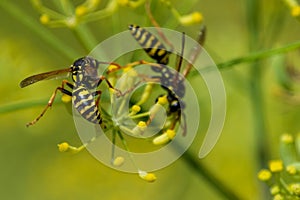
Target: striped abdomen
{"x": 84, "y": 103}
{"x": 154, "y": 48}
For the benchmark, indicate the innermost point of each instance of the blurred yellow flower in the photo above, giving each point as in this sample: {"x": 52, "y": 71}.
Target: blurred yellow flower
{"x": 149, "y": 177}
{"x": 295, "y": 11}
{"x": 287, "y": 138}
{"x": 291, "y": 169}
{"x": 44, "y": 19}
{"x": 264, "y": 175}
{"x": 276, "y": 165}
{"x": 63, "y": 147}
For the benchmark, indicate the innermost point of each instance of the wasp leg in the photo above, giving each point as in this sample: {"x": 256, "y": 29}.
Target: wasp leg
{"x": 98, "y": 94}
{"x": 156, "y": 25}
{"x": 195, "y": 51}
{"x": 51, "y": 100}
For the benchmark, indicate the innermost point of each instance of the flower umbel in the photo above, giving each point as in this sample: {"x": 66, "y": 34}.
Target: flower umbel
{"x": 282, "y": 176}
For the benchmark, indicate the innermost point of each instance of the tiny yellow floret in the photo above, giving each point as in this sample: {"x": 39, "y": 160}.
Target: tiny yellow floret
{"x": 287, "y": 138}
{"x": 170, "y": 133}
{"x": 118, "y": 161}
{"x": 127, "y": 68}
{"x": 164, "y": 138}
{"x": 149, "y": 177}
{"x": 193, "y": 18}
{"x": 274, "y": 190}
{"x": 63, "y": 147}
{"x": 264, "y": 175}
{"x": 66, "y": 98}
{"x": 139, "y": 128}
{"x": 136, "y": 108}
{"x": 276, "y": 165}
{"x": 162, "y": 100}
{"x": 123, "y": 2}
{"x": 44, "y": 19}
{"x": 278, "y": 197}
{"x": 291, "y": 169}
{"x": 295, "y": 11}
{"x": 142, "y": 124}
{"x": 295, "y": 188}
{"x": 112, "y": 67}
{"x": 81, "y": 10}
{"x": 161, "y": 139}
{"x": 94, "y": 2}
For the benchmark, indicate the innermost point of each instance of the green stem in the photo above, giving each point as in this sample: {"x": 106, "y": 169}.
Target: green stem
{"x": 85, "y": 36}
{"x": 111, "y": 7}
{"x": 38, "y": 29}
{"x": 256, "y": 96}
{"x": 252, "y": 57}
{"x": 140, "y": 115}
{"x": 209, "y": 177}
{"x": 259, "y": 55}
{"x": 24, "y": 105}
{"x": 256, "y": 91}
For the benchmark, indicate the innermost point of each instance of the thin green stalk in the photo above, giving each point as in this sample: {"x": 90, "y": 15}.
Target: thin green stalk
{"x": 255, "y": 90}
{"x": 252, "y": 57}
{"x": 209, "y": 177}
{"x": 259, "y": 55}
{"x": 20, "y": 105}
{"x": 39, "y": 30}
{"x": 85, "y": 36}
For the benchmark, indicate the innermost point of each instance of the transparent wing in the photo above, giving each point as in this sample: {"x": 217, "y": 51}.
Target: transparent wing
{"x": 43, "y": 76}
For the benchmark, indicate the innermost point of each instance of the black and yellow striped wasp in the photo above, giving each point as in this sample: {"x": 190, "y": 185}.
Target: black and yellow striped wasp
{"x": 171, "y": 82}
{"x": 84, "y": 88}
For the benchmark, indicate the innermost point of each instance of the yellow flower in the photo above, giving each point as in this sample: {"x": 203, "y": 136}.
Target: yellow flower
{"x": 295, "y": 11}
{"x": 278, "y": 197}
{"x": 291, "y": 169}
{"x": 135, "y": 108}
{"x": 81, "y": 10}
{"x": 193, "y": 18}
{"x": 118, "y": 161}
{"x": 162, "y": 100}
{"x": 171, "y": 133}
{"x": 66, "y": 98}
{"x": 142, "y": 124}
{"x": 44, "y": 19}
{"x": 164, "y": 138}
{"x": 139, "y": 128}
{"x": 150, "y": 177}
{"x": 295, "y": 188}
{"x": 63, "y": 147}
{"x": 287, "y": 138}
{"x": 112, "y": 67}
{"x": 276, "y": 165}
{"x": 264, "y": 175}
{"x": 274, "y": 190}
{"x": 123, "y": 2}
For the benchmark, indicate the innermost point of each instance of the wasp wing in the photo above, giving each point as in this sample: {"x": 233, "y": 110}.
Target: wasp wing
{"x": 43, "y": 76}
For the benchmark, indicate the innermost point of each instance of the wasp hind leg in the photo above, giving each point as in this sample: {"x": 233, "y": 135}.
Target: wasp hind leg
{"x": 51, "y": 100}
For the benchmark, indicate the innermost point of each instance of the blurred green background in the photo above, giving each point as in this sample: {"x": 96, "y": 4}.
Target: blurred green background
{"x": 32, "y": 167}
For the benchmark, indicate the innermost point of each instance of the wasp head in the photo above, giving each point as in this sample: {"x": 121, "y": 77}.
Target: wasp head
{"x": 84, "y": 72}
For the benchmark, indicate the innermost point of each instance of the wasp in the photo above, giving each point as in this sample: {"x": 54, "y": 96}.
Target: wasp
{"x": 170, "y": 81}
{"x": 85, "y": 82}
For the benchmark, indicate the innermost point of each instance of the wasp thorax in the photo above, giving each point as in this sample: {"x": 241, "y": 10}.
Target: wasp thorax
{"x": 84, "y": 72}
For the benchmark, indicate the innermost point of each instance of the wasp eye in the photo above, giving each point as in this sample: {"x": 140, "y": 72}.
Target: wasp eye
{"x": 174, "y": 106}
{"x": 79, "y": 62}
